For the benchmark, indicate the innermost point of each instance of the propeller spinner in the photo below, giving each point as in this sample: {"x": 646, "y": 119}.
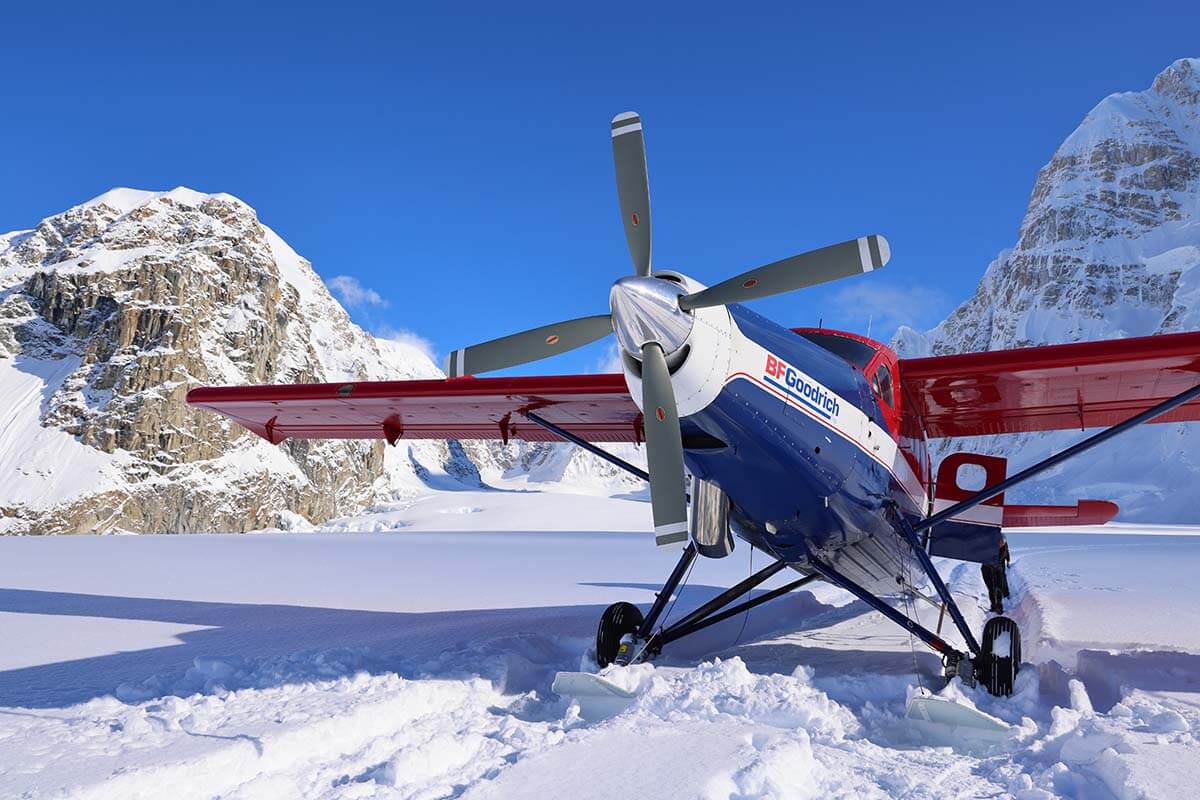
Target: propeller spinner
{"x": 652, "y": 319}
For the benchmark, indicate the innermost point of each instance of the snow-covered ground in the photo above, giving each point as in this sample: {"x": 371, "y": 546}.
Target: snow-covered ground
{"x": 416, "y": 660}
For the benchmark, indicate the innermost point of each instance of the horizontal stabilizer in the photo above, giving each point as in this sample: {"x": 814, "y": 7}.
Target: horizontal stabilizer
{"x": 1085, "y": 512}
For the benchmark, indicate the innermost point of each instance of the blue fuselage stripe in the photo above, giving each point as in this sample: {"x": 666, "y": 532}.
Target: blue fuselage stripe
{"x": 801, "y": 398}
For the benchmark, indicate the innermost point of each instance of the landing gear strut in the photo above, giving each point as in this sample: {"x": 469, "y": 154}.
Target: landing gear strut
{"x": 644, "y": 642}
{"x": 625, "y": 637}
{"x": 996, "y": 663}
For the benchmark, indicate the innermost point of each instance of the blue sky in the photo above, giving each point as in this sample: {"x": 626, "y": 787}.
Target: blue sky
{"x": 453, "y": 164}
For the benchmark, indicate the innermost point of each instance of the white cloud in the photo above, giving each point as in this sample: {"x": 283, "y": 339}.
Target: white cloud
{"x": 353, "y": 294}
{"x": 408, "y": 339}
{"x": 884, "y": 307}
{"x": 611, "y": 360}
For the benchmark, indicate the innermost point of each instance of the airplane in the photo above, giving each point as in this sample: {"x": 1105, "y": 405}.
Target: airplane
{"x": 808, "y": 444}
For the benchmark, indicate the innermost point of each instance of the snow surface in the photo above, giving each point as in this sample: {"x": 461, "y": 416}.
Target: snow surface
{"x": 44, "y": 465}
{"x": 417, "y": 664}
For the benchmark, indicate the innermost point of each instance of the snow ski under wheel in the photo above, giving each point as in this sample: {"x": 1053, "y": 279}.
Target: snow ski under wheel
{"x": 1000, "y": 658}
{"x": 617, "y": 620}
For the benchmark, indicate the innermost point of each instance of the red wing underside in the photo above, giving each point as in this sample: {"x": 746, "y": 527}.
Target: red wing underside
{"x": 596, "y": 407}
{"x": 1055, "y": 387}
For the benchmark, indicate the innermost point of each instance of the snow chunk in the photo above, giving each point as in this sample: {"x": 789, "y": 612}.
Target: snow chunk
{"x": 1002, "y": 645}
{"x": 1168, "y": 721}
{"x": 774, "y": 771}
{"x": 1079, "y": 697}
{"x": 727, "y": 688}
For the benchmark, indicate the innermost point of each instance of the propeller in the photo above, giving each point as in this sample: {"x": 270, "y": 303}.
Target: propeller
{"x": 664, "y": 448}
{"x": 633, "y": 187}
{"x": 653, "y": 318}
{"x": 531, "y": 345}
{"x": 864, "y": 254}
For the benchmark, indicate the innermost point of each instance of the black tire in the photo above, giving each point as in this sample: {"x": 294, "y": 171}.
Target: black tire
{"x": 999, "y": 673}
{"x": 616, "y": 621}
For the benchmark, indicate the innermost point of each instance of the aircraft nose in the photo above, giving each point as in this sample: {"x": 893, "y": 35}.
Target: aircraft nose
{"x": 646, "y": 309}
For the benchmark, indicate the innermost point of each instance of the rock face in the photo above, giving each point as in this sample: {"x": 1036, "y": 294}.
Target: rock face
{"x": 1108, "y": 248}
{"x": 111, "y": 311}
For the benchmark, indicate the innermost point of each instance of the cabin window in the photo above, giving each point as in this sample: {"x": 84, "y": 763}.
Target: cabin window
{"x": 882, "y": 384}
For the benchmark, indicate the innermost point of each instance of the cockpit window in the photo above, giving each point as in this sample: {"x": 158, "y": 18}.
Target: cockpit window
{"x": 882, "y": 384}
{"x": 851, "y": 350}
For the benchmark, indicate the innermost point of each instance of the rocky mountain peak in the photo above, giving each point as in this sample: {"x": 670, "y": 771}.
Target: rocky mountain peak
{"x": 1130, "y": 166}
{"x": 1107, "y": 249}
{"x": 1108, "y": 235}
{"x": 112, "y": 310}
{"x": 1180, "y": 82}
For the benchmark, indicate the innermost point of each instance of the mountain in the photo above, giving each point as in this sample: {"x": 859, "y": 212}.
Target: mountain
{"x": 1108, "y": 248}
{"x": 113, "y": 309}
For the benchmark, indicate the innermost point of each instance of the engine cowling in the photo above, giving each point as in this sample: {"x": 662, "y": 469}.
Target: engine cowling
{"x": 698, "y": 360}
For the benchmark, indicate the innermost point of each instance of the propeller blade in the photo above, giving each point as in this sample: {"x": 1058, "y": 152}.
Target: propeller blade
{"x": 856, "y": 256}
{"x": 521, "y": 348}
{"x": 664, "y": 448}
{"x": 633, "y": 187}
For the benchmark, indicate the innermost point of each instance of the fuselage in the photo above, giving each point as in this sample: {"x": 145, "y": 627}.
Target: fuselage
{"x": 811, "y": 447}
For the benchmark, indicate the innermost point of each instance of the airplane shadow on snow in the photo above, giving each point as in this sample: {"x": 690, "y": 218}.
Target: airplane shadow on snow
{"x": 260, "y": 646}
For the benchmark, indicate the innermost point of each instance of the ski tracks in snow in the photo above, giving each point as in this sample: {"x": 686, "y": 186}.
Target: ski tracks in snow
{"x": 361, "y": 736}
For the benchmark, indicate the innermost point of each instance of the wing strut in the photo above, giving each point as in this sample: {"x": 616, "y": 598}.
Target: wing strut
{"x": 930, "y": 638}
{"x": 586, "y": 445}
{"x": 1087, "y": 444}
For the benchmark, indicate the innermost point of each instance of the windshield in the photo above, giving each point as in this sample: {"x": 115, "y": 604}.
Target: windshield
{"x": 851, "y": 350}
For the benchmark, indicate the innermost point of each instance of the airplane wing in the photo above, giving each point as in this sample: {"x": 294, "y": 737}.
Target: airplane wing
{"x": 1054, "y": 387}
{"x": 597, "y": 408}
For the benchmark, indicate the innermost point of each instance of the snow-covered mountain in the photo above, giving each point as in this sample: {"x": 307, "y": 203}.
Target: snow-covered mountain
{"x": 1108, "y": 248}
{"x": 113, "y": 309}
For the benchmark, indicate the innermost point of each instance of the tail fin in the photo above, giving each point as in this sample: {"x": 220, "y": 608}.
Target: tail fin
{"x": 975, "y": 536}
